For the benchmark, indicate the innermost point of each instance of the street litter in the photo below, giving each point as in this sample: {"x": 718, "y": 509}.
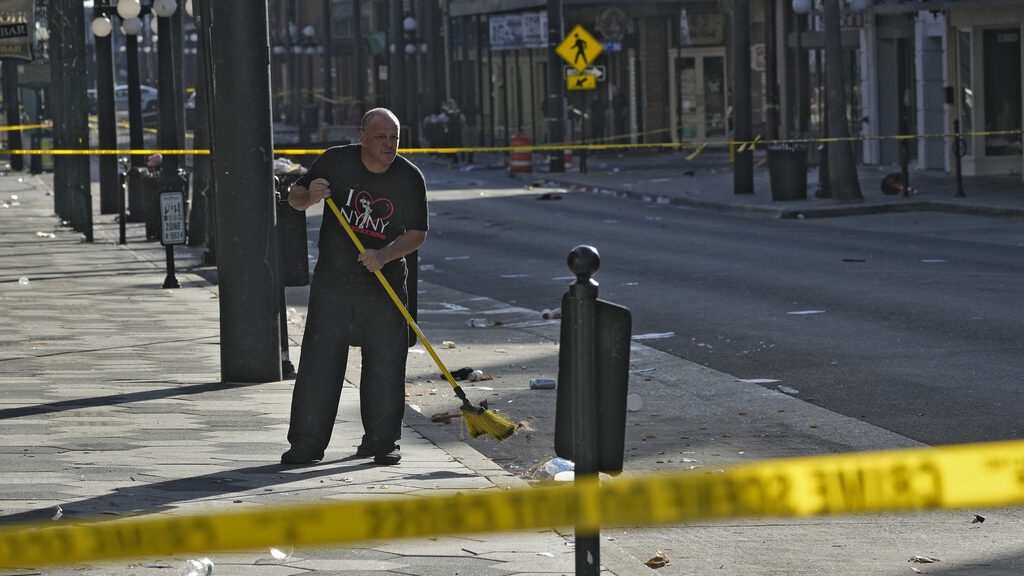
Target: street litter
{"x": 923, "y": 559}
{"x": 805, "y": 312}
{"x": 45, "y": 235}
{"x": 462, "y": 373}
{"x": 196, "y": 567}
{"x": 978, "y": 519}
{"x": 482, "y": 322}
{"x": 788, "y": 390}
{"x": 634, "y": 403}
{"x": 548, "y": 314}
{"x": 445, "y": 417}
{"x": 757, "y": 380}
{"x": 279, "y": 554}
{"x": 659, "y": 561}
{"x": 23, "y": 281}
{"x": 58, "y": 514}
{"x": 478, "y": 375}
{"x": 448, "y": 344}
{"x": 558, "y": 469}
{"x": 654, "y": 336}
{"x": 286, "y": 166}
{"x": 542, "y": 383}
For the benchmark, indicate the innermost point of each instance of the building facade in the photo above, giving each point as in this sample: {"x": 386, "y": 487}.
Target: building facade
{"x": 666, "y": 71}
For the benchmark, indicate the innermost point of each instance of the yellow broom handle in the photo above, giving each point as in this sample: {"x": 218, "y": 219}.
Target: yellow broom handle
{"x": 394, "y": 297}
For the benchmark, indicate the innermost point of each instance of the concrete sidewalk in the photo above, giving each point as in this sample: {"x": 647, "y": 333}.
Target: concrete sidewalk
{"x": 112, "y": 405}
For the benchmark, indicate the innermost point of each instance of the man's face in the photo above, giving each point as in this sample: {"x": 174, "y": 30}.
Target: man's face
{"x": 380, "y": 139}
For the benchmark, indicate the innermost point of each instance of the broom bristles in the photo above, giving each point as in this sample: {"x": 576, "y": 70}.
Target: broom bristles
{"x": 487, "y": 422}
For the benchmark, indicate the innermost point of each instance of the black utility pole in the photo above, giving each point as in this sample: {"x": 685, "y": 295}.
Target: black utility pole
{"x": 327, "y": 59}
{"x": 66, "y": 22}
{"x": 247, "y": 263}
{"x": 554, "y": 118}
{"x": 771, "y": 73}
{"x": 357, "y": 52}
{"x": 136, "y": 139}
{"x": 396, "y": 68}
{"x": 743, "y": 127}
{"x": 202, "y": 228}
{"x": 13, "y": 106}
{"x": 842, "y": 166}
{"x": 110, "y": 182}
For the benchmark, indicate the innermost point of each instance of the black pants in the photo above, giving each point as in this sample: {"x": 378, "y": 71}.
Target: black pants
{"x": 384, "y": 339}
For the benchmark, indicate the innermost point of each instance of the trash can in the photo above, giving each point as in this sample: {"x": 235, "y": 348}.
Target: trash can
{"x": 291, "y": 236}
{"x": 133, "y": 180}
{"x": 787, "y": 171}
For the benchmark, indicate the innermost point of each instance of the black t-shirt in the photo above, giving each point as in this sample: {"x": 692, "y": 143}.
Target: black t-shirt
{"x": 378, "y": 207}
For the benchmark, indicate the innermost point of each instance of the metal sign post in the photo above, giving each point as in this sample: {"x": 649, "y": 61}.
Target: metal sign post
{"x": 172, "y": 229}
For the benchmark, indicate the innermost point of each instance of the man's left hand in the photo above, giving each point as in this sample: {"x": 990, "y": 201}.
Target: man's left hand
{"x": 372, "y": 260}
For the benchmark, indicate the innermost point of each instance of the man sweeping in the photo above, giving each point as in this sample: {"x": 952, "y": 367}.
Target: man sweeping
{"x": 382, "y": 196}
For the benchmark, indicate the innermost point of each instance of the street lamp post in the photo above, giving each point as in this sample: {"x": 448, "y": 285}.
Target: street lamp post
{"x": 130, "y": 12}
{"x": 411, "y": 50}
{"x": 328, "y": 77}
{"x": 42, "y": 37}
{"x": 111, "y": 195}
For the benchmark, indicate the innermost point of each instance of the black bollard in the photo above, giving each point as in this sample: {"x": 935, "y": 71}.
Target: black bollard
{"x": 582, "y": 299}
{"x": 593, "y": 379}
{"x": 959, "y": 149}
{"x": 122, "y": 180}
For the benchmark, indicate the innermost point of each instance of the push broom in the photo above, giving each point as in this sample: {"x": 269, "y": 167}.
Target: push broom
{"x": 479, "y": 420}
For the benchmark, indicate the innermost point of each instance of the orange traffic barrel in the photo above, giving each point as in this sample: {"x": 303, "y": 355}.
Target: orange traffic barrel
{"x": 521, "y": 161}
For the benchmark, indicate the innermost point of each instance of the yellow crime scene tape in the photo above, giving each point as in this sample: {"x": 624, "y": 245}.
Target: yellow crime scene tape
{"x": 960, "y": 476}
{"x": 697, "y": 147}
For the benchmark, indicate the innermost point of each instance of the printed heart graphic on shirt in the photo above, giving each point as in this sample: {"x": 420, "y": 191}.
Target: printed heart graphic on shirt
{"x": 370, "y": 211}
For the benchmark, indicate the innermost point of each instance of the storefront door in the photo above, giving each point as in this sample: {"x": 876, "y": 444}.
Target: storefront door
{"x": 698, "y": 95}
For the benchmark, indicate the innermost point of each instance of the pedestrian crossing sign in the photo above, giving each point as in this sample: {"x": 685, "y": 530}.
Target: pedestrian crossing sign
{"x": 579, "y": 48}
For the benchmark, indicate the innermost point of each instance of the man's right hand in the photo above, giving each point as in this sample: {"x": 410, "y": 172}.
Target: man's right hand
{"x": 300, "y": 197}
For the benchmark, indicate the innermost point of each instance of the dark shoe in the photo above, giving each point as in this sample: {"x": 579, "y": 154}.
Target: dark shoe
{"x": 295, "y": 457}
{"x": 363, "y": 451}
{"x": 389, "y": 458}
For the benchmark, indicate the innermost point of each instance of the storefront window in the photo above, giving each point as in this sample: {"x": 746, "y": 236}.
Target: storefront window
{"x": 1002, "y": 90}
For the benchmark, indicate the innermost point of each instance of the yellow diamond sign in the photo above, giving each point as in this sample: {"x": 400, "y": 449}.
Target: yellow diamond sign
{"x": 579, "y": 48}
